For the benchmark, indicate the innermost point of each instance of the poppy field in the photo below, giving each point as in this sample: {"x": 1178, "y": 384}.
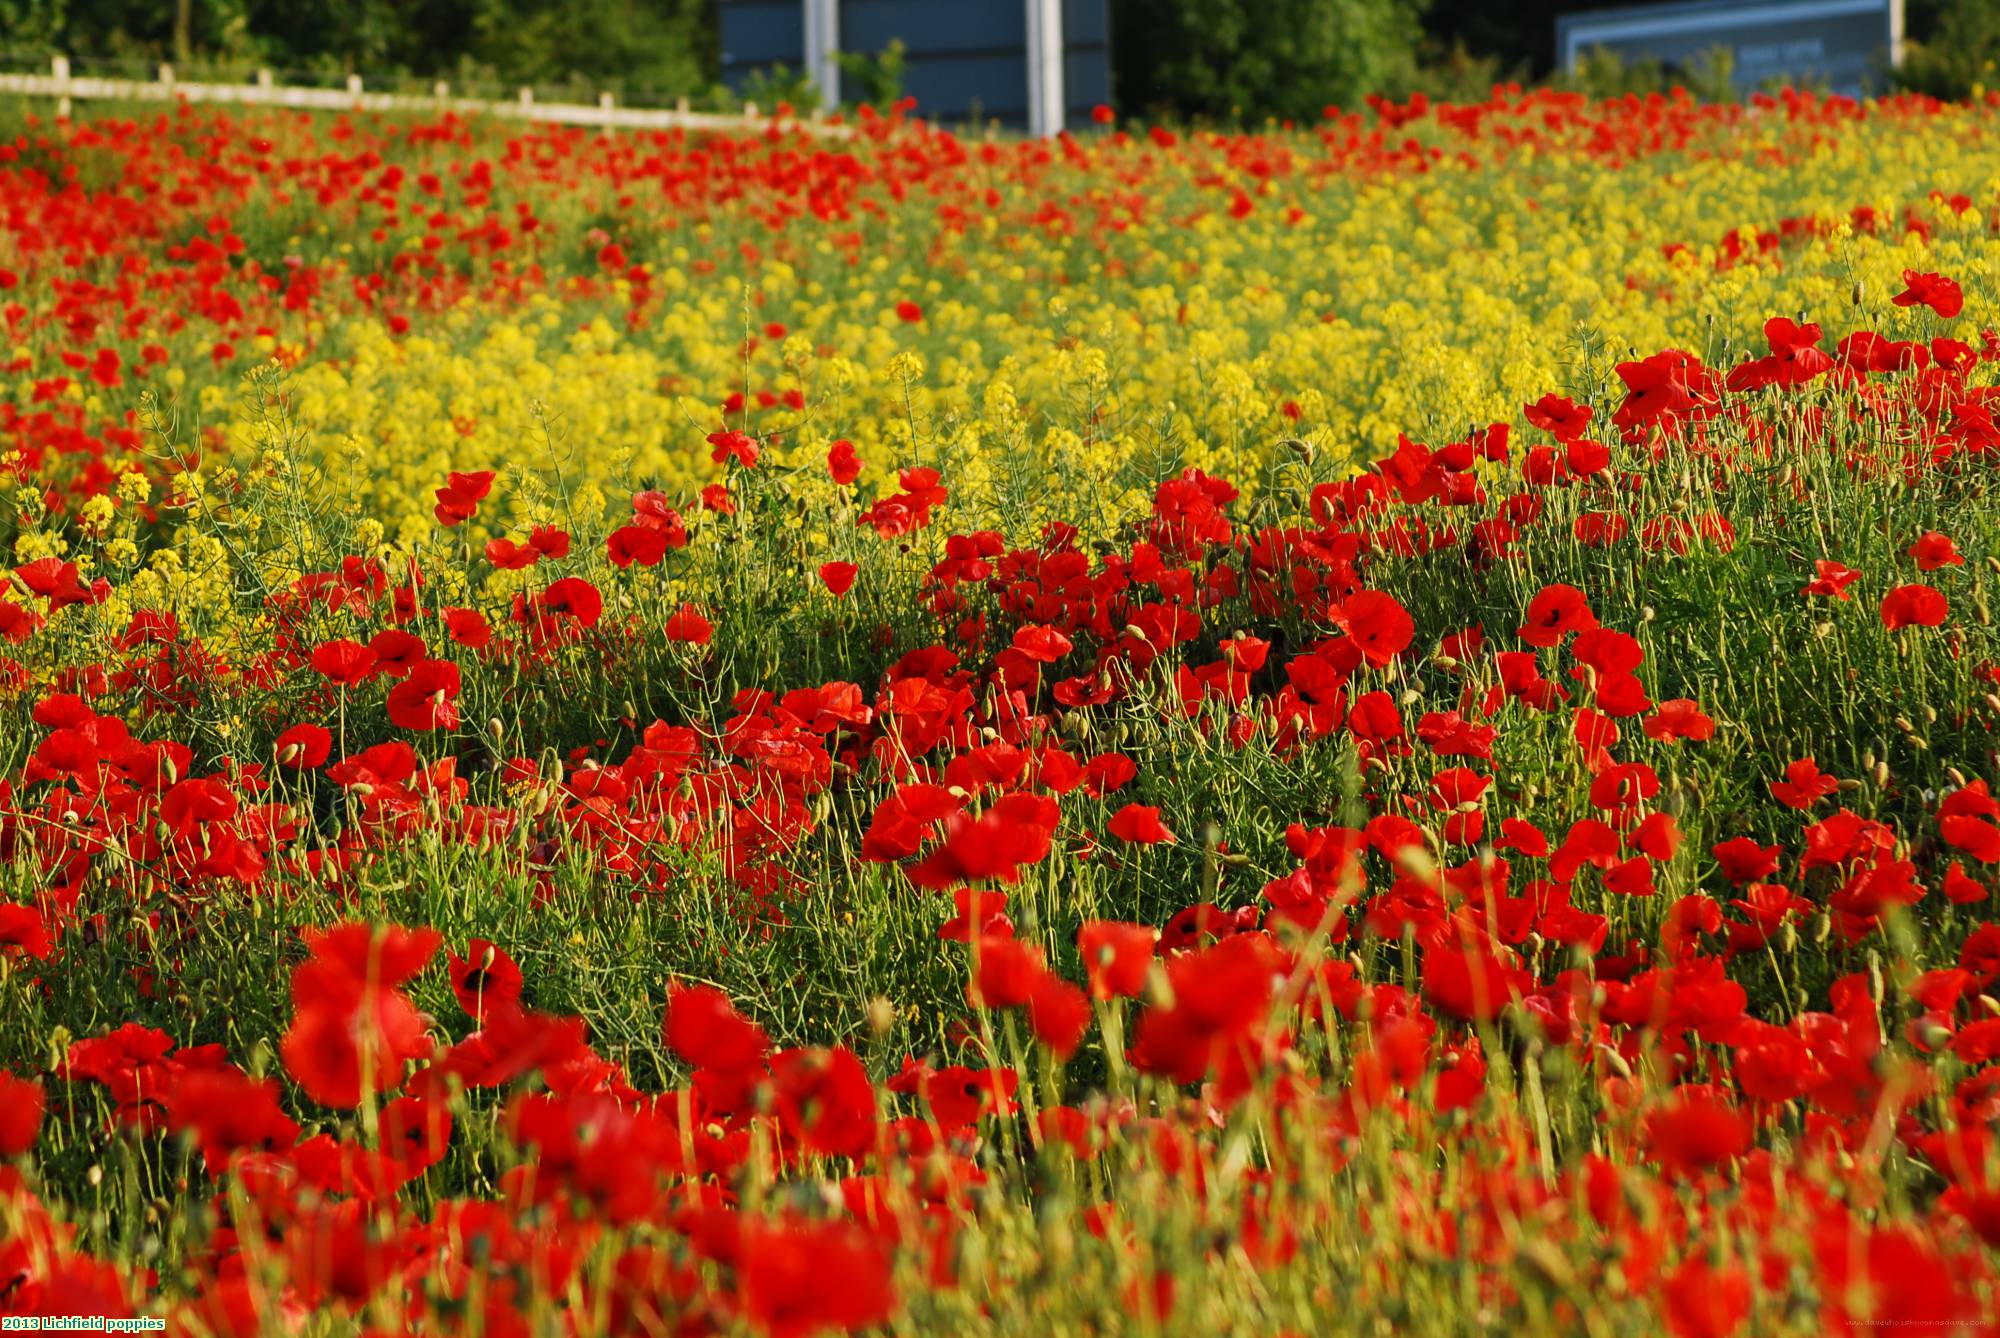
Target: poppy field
{"x": 1384, "y": 726}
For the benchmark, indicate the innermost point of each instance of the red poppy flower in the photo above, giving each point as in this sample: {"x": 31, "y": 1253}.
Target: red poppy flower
{"x": 304, "y": 746}
{"x": 1139, "y": 824}
{"x": 1831, "y": 578}
{"x": 731, "y": 444}
{"x": 1804, "y": 785}
{"x": 1933, "y": 550}
{"x": 909, "y": 312}
{"x": 1565, "y": 419}
{"x": 704, "y": 1028}
{"x": 1555, "y": 612}
{"x": 1018, "y": 829}
{"x": 1471, "y": 984}
{"x": 688, "y": 625}
{"x": 344, "y": 662}
{"x": 1380, "y": 627}
{"x": 485, "y": 979}
{"x": 1914, "y": 605}
{"x": 510, "y": 556}
{"x": 352, "y": 1030}
{"x": 1005, "y": 972}
{"x": 824, "y": 1099}
{"x": 842, "y": 463}
{"x": 459, "y": 499}
{"x": 981, "y": 914}
{"x": 1940, "y": 294}
{"x": 468, "y": 628}
{"x": 641, "y": 544}
{"x": 1694, "y": 1130}
{"x": 1702, "y": 1301}
{"x": 23, "y": 932}
{"x": 1043, "y": 645}
{"x": 1680, "y": 718}
{"x": 427, "y": 698}
{"x": 60, "y": 583}
{"x": 1058, "y": 1014}
{"x": 798, "y": 1277}
{"x": 838, "y": 577}
{"x": 21, "y": 1102}
{"x": 571, "y": 597}
{"x": 1117, "y": 957}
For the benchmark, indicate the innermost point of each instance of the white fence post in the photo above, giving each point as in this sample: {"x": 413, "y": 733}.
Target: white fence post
{"x": 1045, "y": 68}
{"x": 59, "y": 70}
{"x": 822, "y": 47}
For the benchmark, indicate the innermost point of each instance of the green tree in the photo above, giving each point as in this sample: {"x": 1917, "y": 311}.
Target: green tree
{"x": 1243, "y": 60}
{"x": 1955, "y": 48}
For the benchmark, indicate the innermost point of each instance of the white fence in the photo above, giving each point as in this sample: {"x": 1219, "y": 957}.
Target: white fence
{"x": 65, "y": 87}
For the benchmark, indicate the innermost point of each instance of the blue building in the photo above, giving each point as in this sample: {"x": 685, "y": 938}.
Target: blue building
{"x": 1030, "y": 64}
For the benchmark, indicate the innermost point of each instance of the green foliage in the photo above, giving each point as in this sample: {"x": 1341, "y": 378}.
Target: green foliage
{"x": 1604, "y": 74}
{"x": 1244, "y": 60}
{"x": 666, "y": 45}
{"x": 876, "y": 80}
{"x": 1959, "y": 51}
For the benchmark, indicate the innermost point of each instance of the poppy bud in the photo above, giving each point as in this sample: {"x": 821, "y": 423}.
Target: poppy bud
{"x": 1957, "y": 777}
{"x": 1990, "y": 1004}
{"x": 1822, "y": 927}
{"x": 1931, "y": 1035}
{"x": 881, "y": 1016}
{"x": 495, "y": 728}
{"x": 1615, "y": 1062}
{"x": 1788, "y": 937}
{"x": 1902, "y": 722}
{"x": 1860, "y": 290}
{"x": 1545, "y": 1259}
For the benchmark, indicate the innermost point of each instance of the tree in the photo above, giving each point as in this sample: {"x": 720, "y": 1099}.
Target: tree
{"x": 1243, "y": 60}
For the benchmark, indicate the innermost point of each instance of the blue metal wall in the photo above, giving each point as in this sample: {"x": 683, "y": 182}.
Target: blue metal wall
{"x": 965, "y": 59}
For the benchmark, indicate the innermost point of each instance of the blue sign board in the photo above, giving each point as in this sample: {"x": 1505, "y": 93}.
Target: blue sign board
{"x": 1844, "y": 45}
